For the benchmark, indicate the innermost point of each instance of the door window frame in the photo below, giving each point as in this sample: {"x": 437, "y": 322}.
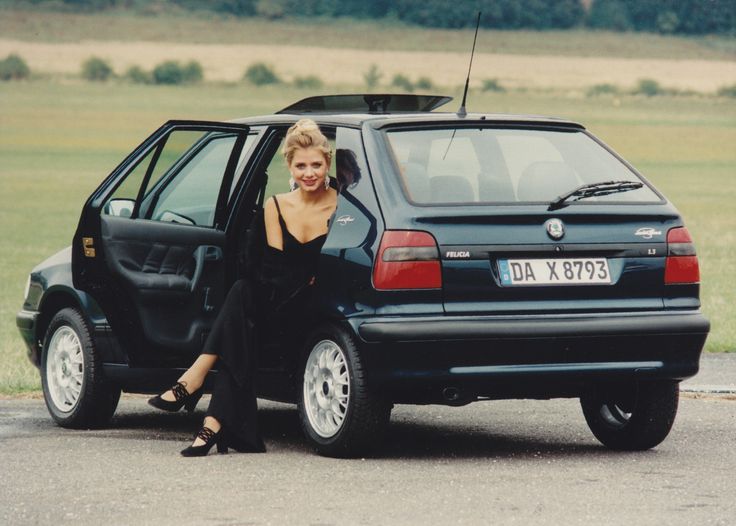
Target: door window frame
{"x": 158, "y": 141}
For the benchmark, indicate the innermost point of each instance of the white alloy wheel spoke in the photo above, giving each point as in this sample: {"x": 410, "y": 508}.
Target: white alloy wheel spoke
{"x": 326, "y": 388}
{"x": 65, "y": 368}
{"x": 343, "y": 379}
{"x": 330, "y": 360}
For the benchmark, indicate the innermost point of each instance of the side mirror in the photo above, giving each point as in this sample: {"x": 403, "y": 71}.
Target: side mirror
{"x": 119, "y": 207}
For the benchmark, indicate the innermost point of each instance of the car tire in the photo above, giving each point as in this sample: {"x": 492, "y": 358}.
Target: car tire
{"x": 341, "y": 415}
{"x": 635, "y": 418}
{"x": 76, "y": 393}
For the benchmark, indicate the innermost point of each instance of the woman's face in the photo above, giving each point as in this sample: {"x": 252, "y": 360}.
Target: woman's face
{"x": 309, "y": 168}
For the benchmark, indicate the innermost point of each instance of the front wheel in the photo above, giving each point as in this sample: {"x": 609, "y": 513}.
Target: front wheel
{"x": 632, "y": 418}
{"x": 76, "y": 393}
{"x": 340, "y": 414}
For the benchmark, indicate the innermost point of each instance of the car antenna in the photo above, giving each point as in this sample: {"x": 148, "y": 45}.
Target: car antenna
{"x": 461, "y": 112}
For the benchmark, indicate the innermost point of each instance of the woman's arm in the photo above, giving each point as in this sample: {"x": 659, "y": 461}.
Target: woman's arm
{"x": 274, "y": 236}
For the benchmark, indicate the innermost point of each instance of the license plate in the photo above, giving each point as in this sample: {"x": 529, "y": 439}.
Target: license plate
{"x": 568, "y": 271}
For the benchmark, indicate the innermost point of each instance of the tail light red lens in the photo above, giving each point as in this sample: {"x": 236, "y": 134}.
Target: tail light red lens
{"x": 681, "y": 265}
{"x": 407, "y": 259}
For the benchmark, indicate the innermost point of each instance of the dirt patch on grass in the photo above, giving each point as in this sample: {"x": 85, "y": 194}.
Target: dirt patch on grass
{"x": 227, "y": 62}
{"x": 25, "y": 395}
{"x": 709, "y": 396}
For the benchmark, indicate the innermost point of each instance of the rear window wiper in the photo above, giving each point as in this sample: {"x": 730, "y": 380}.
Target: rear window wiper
{"x": 593, "y": 189}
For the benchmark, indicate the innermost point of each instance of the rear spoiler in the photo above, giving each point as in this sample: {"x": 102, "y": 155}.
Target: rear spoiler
{"x": 367, "y": 103}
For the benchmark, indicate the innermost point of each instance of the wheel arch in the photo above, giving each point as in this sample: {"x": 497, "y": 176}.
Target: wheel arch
{"x": 60, "y": 297}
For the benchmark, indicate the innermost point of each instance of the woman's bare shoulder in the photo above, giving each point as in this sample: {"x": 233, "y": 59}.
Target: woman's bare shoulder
{"x": 283, "y": 199}
{"x": 269, "y": 210}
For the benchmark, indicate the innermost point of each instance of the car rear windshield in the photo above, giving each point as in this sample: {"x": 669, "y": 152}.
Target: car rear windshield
{"x": 506, "y": 165}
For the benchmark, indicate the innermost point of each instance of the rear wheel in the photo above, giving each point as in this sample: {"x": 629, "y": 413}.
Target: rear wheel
{"x": 632, "y": 418}
{"x": 340, "y": 414}
{"x": 76, "y": 394}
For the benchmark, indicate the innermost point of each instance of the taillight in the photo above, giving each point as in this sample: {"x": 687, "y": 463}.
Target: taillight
{"x": 681, "y": 265}
{"x": 407, "y": 259}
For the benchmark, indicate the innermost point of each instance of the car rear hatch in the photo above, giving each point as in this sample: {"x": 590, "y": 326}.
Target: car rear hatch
{"x": 506, "y": 261}
{"x": 511, "y": 234}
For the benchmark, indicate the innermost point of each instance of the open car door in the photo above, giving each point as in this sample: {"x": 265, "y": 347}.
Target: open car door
{"x": 150, "y": 244}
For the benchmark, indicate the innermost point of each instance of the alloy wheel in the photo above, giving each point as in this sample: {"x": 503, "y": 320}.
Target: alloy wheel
{"x": 326, "y": 388}
{"x": 65, "y": 368}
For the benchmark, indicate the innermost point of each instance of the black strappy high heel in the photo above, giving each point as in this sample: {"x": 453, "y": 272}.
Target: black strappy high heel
{"x": 210, "y": 439}
{"x": 182, "y": 398}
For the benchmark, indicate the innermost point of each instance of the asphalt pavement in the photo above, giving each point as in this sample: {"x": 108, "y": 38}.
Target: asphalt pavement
{"x": 513, "y": 462}
{"x": 717, "y": 375}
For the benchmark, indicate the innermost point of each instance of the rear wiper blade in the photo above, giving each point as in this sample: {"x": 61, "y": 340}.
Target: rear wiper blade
{"x": 593, "y": 189}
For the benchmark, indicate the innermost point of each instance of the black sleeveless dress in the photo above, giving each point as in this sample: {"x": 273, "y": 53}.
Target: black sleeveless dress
{"x": 281, "y": 296}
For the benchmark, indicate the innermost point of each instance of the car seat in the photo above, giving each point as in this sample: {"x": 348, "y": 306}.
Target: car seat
{"x": 451, "y": 189}
{"x": 417, "y": 183}
{"x": 496, "y": 189}
{"x": 543, "y": 181}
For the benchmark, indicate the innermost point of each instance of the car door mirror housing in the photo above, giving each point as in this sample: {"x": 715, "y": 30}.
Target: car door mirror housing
{"x": 119, "y": 207}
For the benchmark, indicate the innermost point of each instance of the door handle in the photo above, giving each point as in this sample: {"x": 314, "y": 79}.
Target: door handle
{"x": 213, "y": 253}
{"x": 201, "y": 255}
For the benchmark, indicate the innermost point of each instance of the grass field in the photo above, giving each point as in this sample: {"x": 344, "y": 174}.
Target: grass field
{"x": 341, "y": 51}
{"x": 58, "y": 140}
{"x": 172, "y": 25}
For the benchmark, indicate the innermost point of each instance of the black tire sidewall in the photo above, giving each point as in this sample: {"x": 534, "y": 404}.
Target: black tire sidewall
{"x": 97, "y": 400}
{"x": 651, "y": 419}
{"x": 353, "y": 438}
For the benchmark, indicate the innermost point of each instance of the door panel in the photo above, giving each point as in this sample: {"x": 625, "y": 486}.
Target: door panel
{"x": 161, "y": 256}
{"x": 159, "y": 269}
{"x": 173, "y": 275}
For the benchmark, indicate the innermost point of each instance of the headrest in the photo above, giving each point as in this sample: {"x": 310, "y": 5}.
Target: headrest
{"x": 543, "y": 181}
{"x": 415, "y": 177}
{"x": 451, "y": 189}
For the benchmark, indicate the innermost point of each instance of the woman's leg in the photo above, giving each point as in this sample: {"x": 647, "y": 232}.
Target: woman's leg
{"x": 233, "y": 406}
{"x": 213, "y": 424}
{"x": 193, "y": 378}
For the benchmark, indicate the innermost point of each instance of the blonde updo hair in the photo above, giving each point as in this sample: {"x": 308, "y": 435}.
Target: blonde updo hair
{"x": 305, "y": 134}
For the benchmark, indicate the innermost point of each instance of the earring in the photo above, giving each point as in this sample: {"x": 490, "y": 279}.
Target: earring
{"x": 327, "y": 182}
{"x": 292, "y": 184}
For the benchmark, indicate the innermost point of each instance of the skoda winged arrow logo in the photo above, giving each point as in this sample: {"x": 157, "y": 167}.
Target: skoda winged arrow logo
{"x": 647, "y": 232}
{"x": 344, "y": 220}
{"x": 555, "y": 228}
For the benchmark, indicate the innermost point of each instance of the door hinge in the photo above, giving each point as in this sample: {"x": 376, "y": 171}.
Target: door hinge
{"x": 88, "y": 245}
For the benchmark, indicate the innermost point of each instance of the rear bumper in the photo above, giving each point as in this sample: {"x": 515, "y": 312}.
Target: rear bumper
{"x": 418, "y": 359}
{"x": 501, "y": 327}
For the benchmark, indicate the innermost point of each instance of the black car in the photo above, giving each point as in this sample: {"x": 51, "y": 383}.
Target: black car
{"x": 471, "y": 257}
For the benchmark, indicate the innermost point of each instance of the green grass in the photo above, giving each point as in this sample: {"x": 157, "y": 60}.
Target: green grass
{"x": 175, "y": 25}
{"x": 58, "y": 140}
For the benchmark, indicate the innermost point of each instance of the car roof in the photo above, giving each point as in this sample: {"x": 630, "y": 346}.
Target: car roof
{"x": 388, "y": 119}
{"x": 351, "y": 111}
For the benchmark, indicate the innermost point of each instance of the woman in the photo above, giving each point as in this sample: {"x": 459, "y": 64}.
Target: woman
{"x": 296, "y": 228}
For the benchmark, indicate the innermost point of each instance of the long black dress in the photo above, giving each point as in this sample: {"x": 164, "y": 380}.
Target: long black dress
{"x": 281, "y": 295}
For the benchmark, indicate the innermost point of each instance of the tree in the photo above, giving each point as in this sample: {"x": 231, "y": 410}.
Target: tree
{"x": 261, "y": 74}
{"x": 13, "y": 67}
{"x": 96, "y": 69}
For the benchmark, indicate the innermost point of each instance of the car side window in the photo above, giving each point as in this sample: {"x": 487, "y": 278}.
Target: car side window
{"x": 182, "y": 175}
{"x": 190, "y": 196}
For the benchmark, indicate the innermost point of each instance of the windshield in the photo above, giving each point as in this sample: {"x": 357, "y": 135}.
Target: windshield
{"x": 503, "y": 165}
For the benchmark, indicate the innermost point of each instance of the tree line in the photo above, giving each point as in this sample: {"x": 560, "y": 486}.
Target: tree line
{"x": 663, "y": 16}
